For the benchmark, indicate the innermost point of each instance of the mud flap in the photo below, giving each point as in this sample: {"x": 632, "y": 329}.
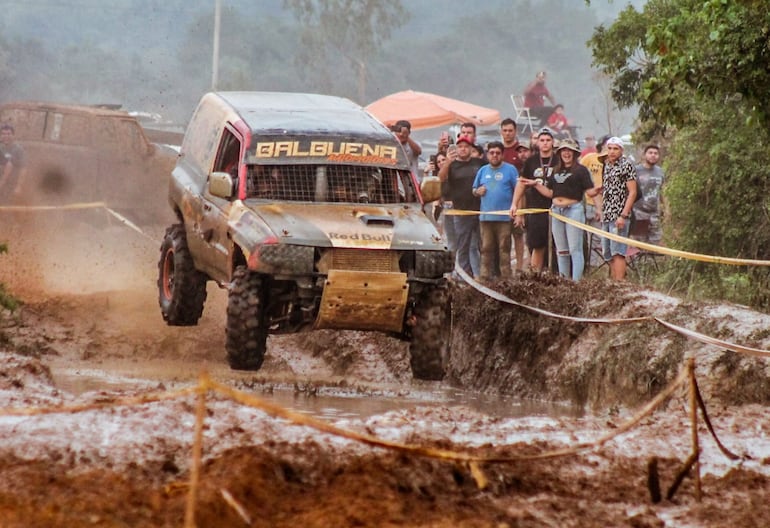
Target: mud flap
{"x": 363, "y": 300}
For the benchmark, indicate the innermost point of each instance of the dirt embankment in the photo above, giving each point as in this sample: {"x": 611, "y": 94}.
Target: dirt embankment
{"x": 507, "y": 349}
{"x": 129, "y": 466}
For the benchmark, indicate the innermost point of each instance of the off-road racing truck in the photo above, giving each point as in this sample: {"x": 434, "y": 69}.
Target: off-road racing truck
{"x": 304, "y": 208}
{"x": 78, "y": 153}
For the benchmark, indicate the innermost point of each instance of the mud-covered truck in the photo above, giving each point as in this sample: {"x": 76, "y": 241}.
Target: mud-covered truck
{"x": 78, "y": 153}
{"x": 304, "y": 208}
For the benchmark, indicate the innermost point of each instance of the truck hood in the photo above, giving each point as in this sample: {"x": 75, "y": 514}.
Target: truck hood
{"x": 402, "y": 227}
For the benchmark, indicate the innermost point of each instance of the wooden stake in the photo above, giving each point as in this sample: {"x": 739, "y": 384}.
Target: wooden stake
{"x": 694, "y": 426}
{"x": 195, "y": 467}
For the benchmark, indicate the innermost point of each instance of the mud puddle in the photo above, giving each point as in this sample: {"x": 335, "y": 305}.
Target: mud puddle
{"x": 319, "y": 400}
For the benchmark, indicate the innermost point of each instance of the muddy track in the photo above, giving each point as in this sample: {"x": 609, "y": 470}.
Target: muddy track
{"x": 90, "y": 306}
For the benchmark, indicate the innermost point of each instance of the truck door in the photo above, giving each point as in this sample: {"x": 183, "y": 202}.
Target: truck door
{"x": 216, "y": 211}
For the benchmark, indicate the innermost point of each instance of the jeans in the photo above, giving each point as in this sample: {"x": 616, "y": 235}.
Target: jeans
{"x": 495, "y": 249}
{"x": 467, "y": 233}
{"x": 569, "y": 240}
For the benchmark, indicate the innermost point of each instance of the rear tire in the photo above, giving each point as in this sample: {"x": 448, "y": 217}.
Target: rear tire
{"x": 246, "y": 328}
{"x": 430, "y": 345}
{"x": 181, "y": 287}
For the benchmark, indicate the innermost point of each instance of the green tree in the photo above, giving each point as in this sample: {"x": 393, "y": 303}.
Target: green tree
{"x": 7, "y": 301}
{"x": 676, "y": 54}
{"x": 341, "y": 34}
{"x": 698, "y": 70}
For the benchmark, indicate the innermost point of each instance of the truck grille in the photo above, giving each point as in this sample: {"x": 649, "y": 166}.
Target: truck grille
{"x": 330, "y": 183}
{"x": 359, "y": 260}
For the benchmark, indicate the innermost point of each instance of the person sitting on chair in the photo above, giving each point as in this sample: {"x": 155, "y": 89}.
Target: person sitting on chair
{"x": 559, "y": 123}
{"x": 535, "y": 95}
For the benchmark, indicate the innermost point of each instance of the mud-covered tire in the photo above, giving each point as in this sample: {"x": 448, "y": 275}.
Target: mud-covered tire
{"x": 430, "y": 344}
{"x": 246, "y": 328}
{"x": 181, "y": 287}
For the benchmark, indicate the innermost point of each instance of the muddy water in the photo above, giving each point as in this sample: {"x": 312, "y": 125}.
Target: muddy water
{"x": 319, "y": 400}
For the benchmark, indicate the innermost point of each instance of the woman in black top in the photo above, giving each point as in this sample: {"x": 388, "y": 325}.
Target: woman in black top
{"x": 565, "y": 186}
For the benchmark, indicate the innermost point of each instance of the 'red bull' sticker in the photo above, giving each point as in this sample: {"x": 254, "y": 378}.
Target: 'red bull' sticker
{"x": 364, "y": 240}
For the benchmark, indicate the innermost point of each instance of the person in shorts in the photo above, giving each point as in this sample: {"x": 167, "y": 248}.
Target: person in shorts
{"x": 538, "y": 167}
{"x": 618, "y": 197}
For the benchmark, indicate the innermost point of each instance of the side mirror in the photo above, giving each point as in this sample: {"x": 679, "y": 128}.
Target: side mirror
{"x": 430, "y": 188}
{"x": 221, "y": 185}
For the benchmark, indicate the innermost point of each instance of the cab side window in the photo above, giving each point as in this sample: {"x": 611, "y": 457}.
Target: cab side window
{"x": 228, "y": 156}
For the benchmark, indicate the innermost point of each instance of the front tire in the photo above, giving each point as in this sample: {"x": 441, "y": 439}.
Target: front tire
{"x": 430, "y": 345}
{"x": 246, "y": 328}
{"x": 181, "y": 287}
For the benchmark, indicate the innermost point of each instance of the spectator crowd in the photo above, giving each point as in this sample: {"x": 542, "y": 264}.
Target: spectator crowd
{"x": 488, "y": 193}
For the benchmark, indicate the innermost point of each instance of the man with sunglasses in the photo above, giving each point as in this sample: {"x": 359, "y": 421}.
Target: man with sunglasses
{"x": 495, "y": 183}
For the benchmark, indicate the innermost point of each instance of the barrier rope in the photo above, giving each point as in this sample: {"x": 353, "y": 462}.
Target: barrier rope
{"x": 451, "y": 212}
{"x": 206, "y": 385}
{"x": 692, "y": 334}
{"x": 617, "y": 238}
{"x": 79, "y": 206}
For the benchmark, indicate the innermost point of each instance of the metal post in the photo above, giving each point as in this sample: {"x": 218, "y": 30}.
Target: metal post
{"x": 215, "y": 58}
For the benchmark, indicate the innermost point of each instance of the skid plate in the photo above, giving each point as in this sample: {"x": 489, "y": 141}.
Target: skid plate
{"x": 363, "y": 300}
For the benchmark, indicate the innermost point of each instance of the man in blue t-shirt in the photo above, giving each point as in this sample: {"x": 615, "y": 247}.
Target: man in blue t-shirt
{"x": 494, "y": 184}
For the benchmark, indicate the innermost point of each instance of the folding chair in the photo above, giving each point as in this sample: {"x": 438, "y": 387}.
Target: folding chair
{"x": 523, "y": 116}
{"x": 641, "y": 262}
{"x": 594, "y": 254}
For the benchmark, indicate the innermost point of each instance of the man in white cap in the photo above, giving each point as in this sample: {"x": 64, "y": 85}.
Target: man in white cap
{"x": 618, "y": 197}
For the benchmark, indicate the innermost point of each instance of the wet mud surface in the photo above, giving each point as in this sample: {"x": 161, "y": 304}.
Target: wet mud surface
{"x": 89, "y": 313}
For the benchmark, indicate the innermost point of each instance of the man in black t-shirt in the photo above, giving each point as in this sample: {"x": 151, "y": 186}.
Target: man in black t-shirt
{"x": 459, "y": 173}
{"x": 539, "y": 166}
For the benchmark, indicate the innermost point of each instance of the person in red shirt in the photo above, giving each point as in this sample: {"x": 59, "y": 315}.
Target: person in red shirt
{"x": 535, "y": 95}
{"x": 559, "y": 123}
{"x": 511, "y": 154}
{"x": 590, "y": 147}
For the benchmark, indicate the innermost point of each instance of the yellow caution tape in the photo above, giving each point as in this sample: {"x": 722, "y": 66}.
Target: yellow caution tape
{"x": 75, "y": 206}
{"x": 31, "y": 208}
{"x": 117, "y": 402}
{"x": 519, "y": 212}
{"x": 659, "y": 249}
{"x": 617, "y": 238}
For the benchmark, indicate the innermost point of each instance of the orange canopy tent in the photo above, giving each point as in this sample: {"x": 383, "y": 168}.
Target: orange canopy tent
{"x": 427, "y": 110}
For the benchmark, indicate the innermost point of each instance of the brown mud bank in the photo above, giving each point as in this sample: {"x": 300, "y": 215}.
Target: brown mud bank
{"x": 510, "y": 350}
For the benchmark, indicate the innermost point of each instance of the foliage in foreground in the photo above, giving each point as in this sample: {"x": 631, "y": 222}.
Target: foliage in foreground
{"x": 7, "y": 300}
{"x": 698, "y": 70}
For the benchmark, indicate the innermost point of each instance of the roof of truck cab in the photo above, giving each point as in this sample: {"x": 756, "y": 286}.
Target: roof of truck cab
{"x": 95, "y": 110}
{"x": 277, "y": 113}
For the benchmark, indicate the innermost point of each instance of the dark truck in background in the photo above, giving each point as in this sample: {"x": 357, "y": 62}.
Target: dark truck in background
{"x": 78, "y": 153}
{"x": 302, "y": 206}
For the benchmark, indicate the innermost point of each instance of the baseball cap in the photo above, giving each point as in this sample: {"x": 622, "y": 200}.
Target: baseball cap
{"x": 464, "y": 139}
